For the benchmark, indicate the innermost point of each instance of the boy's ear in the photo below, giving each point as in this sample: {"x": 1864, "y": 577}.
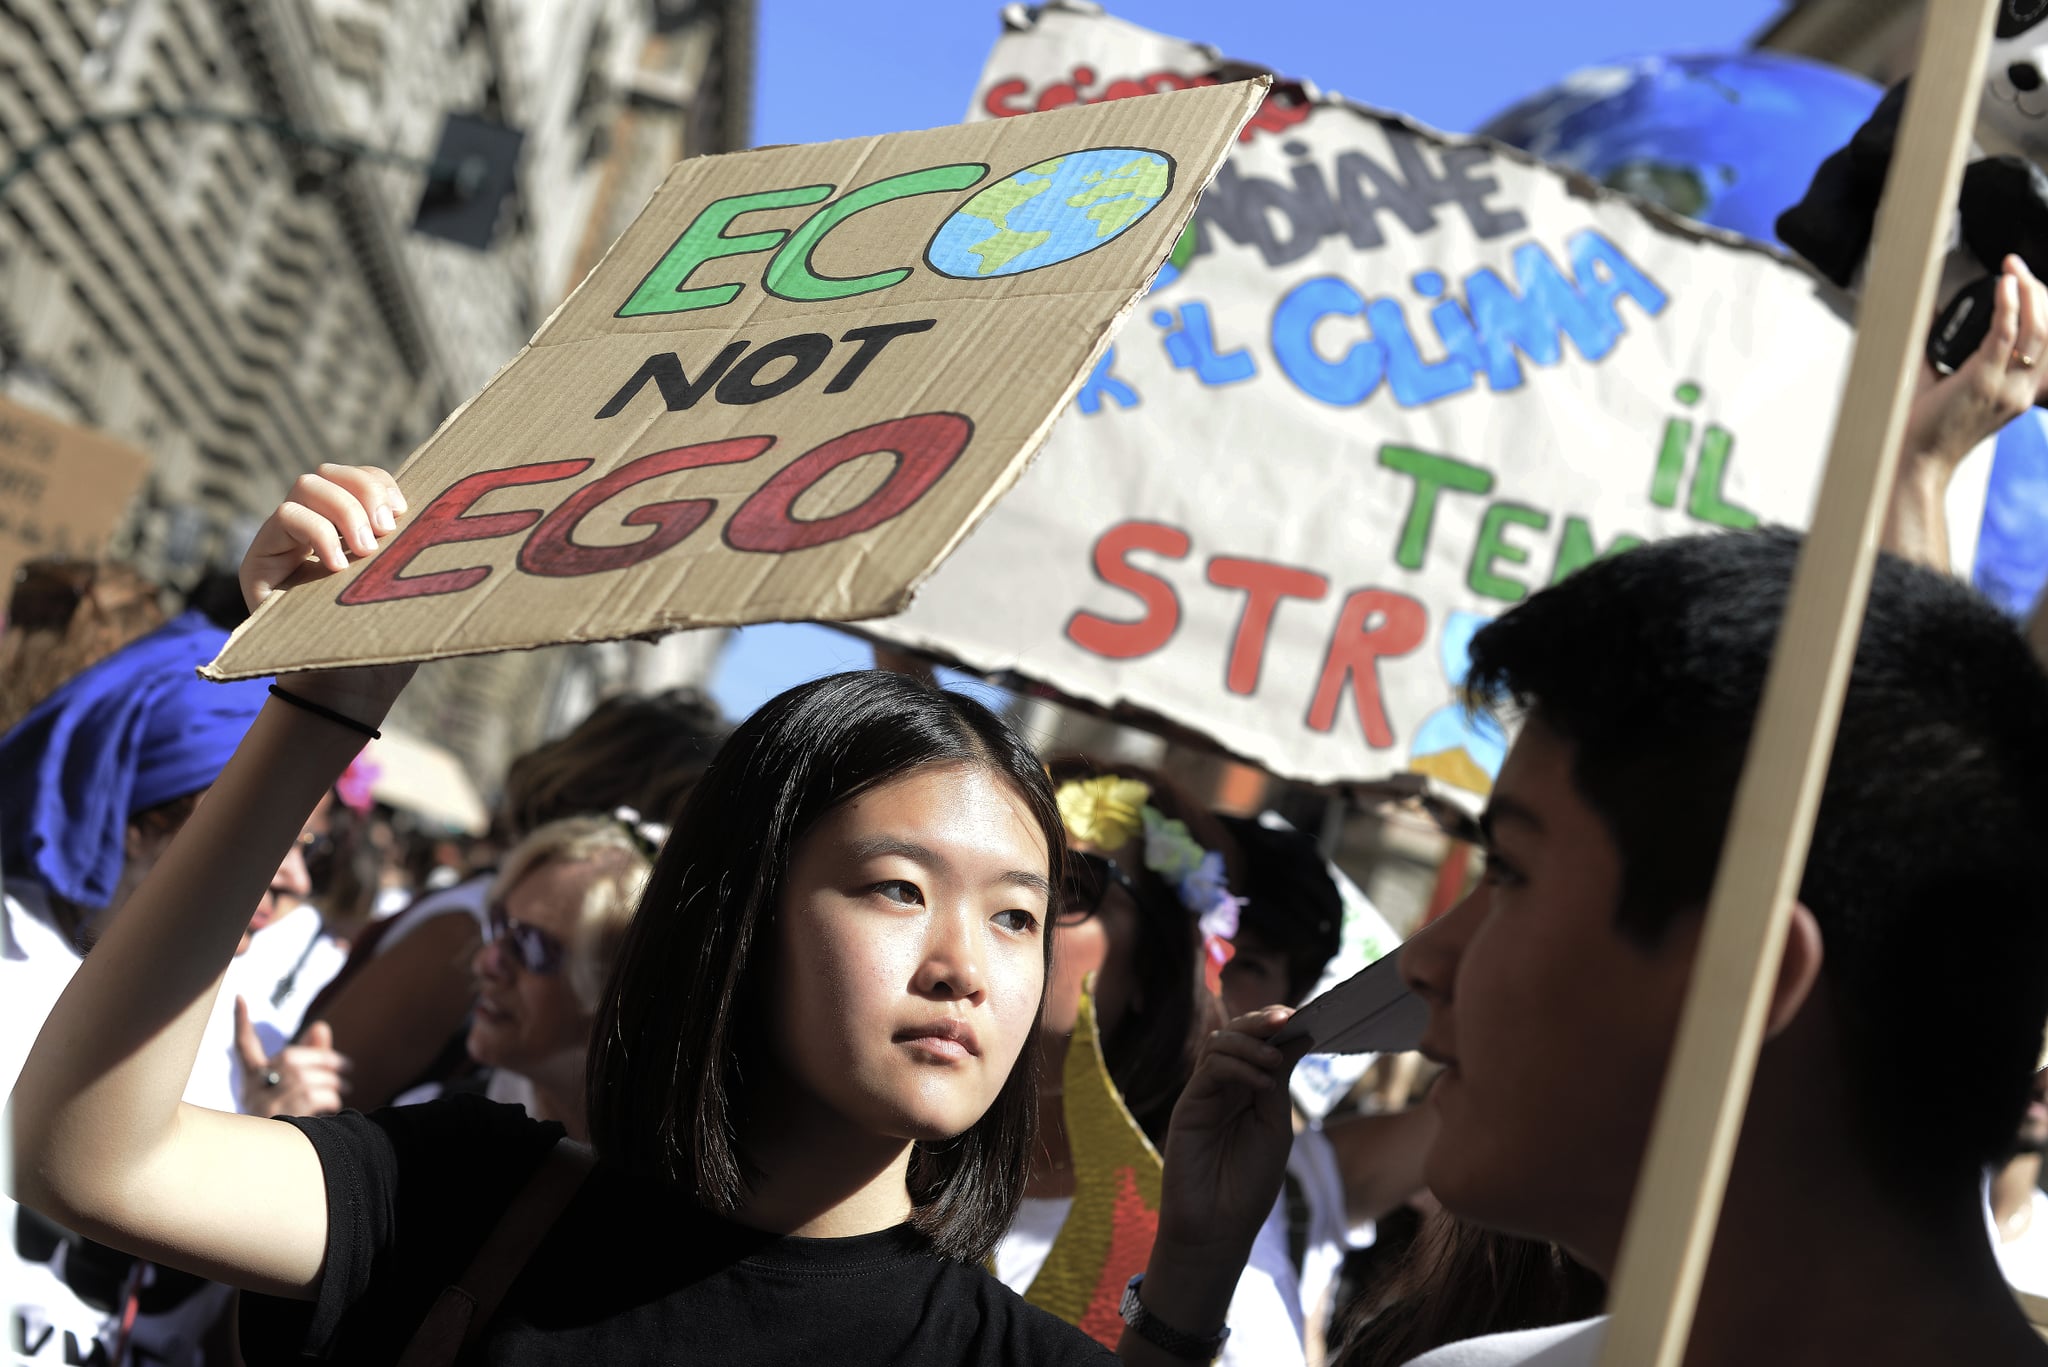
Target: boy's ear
{"x": 1797, "y": 971}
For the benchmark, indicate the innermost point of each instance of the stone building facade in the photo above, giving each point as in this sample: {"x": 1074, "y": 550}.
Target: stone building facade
{"x": 244, "y": 303}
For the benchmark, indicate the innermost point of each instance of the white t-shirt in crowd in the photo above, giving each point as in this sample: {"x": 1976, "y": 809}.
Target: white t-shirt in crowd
{"x": 1265, "y": 1311}
{"x": 469, "y": 897}
{"x": 1312, "y": 1163}
{"x": 1560, "y": 1345}
{"x": 2024, "y": 1260}
{"x": 284, "y": 968}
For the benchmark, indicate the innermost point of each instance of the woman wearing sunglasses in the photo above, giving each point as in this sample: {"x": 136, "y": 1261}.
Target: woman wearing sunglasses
{"x": 556, "y": 917}
{"x": 811, "y": 1089}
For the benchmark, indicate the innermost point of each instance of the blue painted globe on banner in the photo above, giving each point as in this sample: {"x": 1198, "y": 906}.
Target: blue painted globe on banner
{"x": 1054, "y": 211}
{"x": 1728, "y": 140}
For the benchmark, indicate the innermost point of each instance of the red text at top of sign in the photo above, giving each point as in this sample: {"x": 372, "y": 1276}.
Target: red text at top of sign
{"x": 924, "y": 447}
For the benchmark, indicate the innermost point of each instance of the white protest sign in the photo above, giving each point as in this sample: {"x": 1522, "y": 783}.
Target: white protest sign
{"x": 1398, "y": 382}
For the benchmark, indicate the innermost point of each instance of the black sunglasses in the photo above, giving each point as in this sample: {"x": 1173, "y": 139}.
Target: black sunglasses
{"x": 1088, "y": 880}
{"x": 534, "y": 949}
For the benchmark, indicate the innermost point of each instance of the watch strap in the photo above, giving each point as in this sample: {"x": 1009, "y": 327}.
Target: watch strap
{"x": 1163, "y": 1336}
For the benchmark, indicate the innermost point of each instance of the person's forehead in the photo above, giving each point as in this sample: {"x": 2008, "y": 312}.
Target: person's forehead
{"x": 1535, "y": 794}
{"x": 550, "y": 894}
{"x": 962, "y": 815}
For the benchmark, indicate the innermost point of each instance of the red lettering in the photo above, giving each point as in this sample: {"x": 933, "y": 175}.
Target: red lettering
{"x": 444, "y": 522}
{"x": 1001, "y": 101}
{"x": 1285, "y": 107}
{"x": 1264, "y": 585}
{"x": 1355, "y": 653}
{"x": 1114, "y": 640}
{"x": 925, "y": 447}
{"x": 1276, "y": 113}
{"x": 553, "y": 552}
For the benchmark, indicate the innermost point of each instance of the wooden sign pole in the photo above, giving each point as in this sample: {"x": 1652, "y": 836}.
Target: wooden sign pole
{"x": 1685, "y": 1169}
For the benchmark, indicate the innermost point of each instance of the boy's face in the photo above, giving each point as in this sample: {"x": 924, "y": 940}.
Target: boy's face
{"x": 1554, "y": 1028}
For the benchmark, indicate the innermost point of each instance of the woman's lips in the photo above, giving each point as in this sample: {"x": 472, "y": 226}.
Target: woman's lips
{"x": 946, "y": 1040}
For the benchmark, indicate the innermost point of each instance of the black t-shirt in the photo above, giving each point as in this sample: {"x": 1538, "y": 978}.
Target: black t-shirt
{"x": 633, "y": 1272}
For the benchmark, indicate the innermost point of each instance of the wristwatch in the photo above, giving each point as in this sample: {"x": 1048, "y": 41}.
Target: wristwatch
{"x": 1163, "y": 1336}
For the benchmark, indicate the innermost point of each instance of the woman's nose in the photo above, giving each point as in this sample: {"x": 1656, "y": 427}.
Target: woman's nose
{"x": 491, "y": 961}
{"x": 952, "y": 967}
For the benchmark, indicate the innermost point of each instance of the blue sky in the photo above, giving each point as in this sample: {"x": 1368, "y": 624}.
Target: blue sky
{"x": 846, "y": 68}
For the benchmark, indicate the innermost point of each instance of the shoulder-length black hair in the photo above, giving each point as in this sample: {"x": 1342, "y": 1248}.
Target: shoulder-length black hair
{"x": 665, "y": 1088}
{"x": 1151, "y": 1051}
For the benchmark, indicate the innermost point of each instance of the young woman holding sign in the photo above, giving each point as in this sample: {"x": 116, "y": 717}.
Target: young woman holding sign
{"x": 810, "y": 1091}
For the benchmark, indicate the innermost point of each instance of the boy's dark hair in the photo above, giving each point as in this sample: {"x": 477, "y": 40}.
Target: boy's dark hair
{"x": 1291, "y": 902}
{"x": 1928, "y": 858}
{"x": 1151, "y": 1051}
{"x": 677, "y": 1029}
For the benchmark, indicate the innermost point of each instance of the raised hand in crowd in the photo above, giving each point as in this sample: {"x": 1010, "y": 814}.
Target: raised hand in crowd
{"x": 1954, "y": 414}
{"x": 332, "y": 515}
{"x": 310, "y": 1078}
{"x": 1226, "y": 1157}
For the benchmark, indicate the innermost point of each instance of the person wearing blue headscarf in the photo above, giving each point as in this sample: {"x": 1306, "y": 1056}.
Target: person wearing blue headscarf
{"x": 131, "y": 735}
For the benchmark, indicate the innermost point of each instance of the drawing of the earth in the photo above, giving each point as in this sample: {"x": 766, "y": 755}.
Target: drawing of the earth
{"x": 1729, "y": 140}
{"x": 1051, "y": 212}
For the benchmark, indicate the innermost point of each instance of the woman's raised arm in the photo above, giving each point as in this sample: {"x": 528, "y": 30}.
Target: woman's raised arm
{"x": 103, "y": 1142}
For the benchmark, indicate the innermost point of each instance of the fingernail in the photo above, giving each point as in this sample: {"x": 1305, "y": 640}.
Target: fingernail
{"x": 362, "y": 538}
{"x": 382, "y": 517}
{"x": 398, "y": 499}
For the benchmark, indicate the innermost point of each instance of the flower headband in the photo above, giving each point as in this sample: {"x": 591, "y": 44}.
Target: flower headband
{"x": 1109, "y": 810}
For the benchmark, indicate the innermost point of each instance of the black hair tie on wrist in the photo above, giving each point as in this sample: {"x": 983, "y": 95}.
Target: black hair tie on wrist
{"x": 329, "y": 713}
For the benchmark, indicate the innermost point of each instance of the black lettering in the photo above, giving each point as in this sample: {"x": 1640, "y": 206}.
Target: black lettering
{"x": 75, "y": 1356}
{"x": 872, "y": 340}
{"x": 678, "y": 390}
{"x": 22, "y": 1345}
{"x": 1361, "y": 206}
{"x": 807, "y": 349}
{"x": 1470, "y": 192}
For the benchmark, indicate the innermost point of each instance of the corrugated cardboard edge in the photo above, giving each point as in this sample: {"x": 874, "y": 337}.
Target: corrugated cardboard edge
{"x": 1253, "y": 94}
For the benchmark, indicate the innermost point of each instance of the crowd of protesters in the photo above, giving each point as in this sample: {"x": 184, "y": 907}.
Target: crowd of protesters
{"x": 794, "y": 1041}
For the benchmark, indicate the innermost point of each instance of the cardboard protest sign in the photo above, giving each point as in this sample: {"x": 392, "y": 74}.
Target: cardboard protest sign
{"x": 63, "y": 489}
{"x": 1392, "y": 383}
{"x": 786, "y": 392}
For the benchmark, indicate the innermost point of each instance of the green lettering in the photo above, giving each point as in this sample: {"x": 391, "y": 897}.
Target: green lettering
{"x": 790, "y": 275}
{"x": 1706, "y": 503}
{"x": 1431, "y": 474}
{"x": 705, "y": 240}
{"x": 1493, "y": 547}
{"x": 1576, "y": 549}
{"x": 1671, "y": 463}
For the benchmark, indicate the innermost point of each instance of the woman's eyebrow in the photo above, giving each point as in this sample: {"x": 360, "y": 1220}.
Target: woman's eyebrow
{"x": 876, "y": 846}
